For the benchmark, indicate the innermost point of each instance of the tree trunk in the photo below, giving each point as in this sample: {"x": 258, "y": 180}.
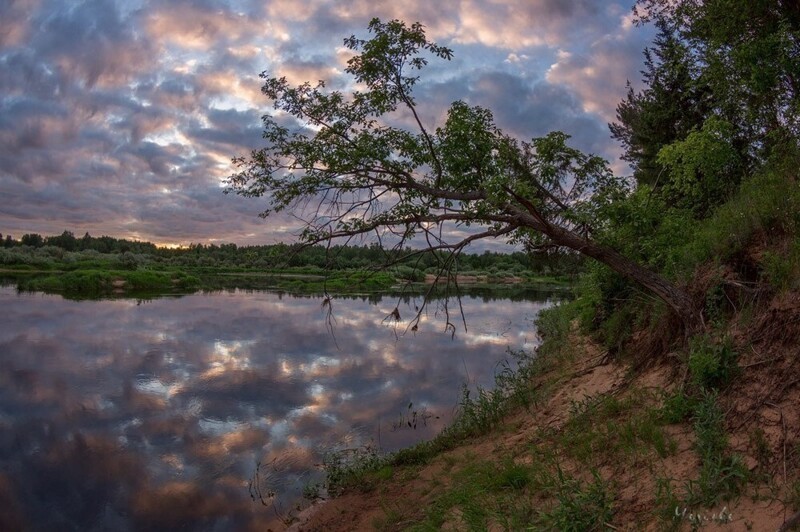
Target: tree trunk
{"x": 678, "y": 300}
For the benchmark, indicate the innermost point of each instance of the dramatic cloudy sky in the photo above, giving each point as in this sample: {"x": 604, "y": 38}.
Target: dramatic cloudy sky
{"x": 120, "y": 117}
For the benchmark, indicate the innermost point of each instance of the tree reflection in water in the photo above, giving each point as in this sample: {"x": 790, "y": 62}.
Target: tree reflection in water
{"x": 127, "y": 416}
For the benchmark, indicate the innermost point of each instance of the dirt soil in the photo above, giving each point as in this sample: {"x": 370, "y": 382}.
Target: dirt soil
{"x": 762, "y": 417}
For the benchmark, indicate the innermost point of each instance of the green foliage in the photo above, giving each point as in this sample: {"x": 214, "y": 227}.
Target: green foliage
{"x": 704, "y": 168}
{"x": 769, "y": 201}
{"x": 554, "y": 324}
{"x": 86, "y": 283}
{"x": 712, "y": 364}
{"x": 480, "y": 412}
{"x": 604, "y": 426}
{"x": 581, "y": 506}
{"x": 721, "y": 473}
{"x": 407, "y": 273}
{"x": 128, "y": 261}
{"x": 484, "y": 493}
{"x": 512, "y": 475}
{"x": 709, "y": 427}
{"x": 666, "y": 501}
{"x": 782, "y": 270}
{"x": 674, "y": 101}
{"x": 95, "y": 283}
{"x": 311, "y": 492}
{"x": 677, "y": 407}
{"x": 618, "y": 326}
{"x": 754, "y": 43}
{"x": 645, "y": 227}
{"x": 358, "y": 280}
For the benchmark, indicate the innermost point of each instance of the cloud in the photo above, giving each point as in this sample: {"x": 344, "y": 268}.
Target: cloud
{"x": 91, "y": 42}
{"x": 516, "y": 25}
{"x": 15, "y": 22}
{"x": 122, "y": 118}
{"x": 600, "y": 74}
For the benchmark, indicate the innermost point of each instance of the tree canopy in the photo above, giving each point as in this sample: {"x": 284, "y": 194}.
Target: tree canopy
{"x": 734, "y": 64}
{"x": 364, "y": 162}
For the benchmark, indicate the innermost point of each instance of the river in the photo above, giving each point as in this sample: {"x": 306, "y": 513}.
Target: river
{"x": 213, "y": 411}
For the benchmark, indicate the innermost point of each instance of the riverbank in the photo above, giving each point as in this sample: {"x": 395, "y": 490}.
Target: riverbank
{"x": 576, "y": 439}
{"x": 109, "y": 282}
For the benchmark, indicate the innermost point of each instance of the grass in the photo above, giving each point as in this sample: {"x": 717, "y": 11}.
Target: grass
{"x": 94, "y": 283}
{"x": 580, "y": 505}
{"x": 605, "y": 427}
{"x": 353, "y": 467}
{"x": 722, "y": 474}
{"x": 484, "y": 493}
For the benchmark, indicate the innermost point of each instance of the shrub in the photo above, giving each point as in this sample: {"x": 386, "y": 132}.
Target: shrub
{"x": 712, "y": 365}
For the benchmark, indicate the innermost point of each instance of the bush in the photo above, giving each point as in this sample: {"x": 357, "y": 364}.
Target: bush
{"x": 408, "y": 273}
{"x": 770, "y": 201}
{"x": 712, "y": 365}
{"x": 782, "y": 271}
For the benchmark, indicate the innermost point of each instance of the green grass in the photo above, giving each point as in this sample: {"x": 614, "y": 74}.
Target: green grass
{"x": 580, "y": 505}
{"x": 604, "y": 426}
{"x": 484, "y": 493}
{"x": 95, "y": 283}
{"x": 722, "y": 474}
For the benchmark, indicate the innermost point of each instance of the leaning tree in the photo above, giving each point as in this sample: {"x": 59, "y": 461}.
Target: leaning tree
{"x": 360, "y": 162}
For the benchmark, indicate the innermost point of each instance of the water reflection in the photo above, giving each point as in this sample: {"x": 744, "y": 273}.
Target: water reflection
{"x": 122, "y": 416}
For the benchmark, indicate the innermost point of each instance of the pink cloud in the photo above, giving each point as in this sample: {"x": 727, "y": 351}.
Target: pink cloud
{"x": 600, "y": 75}
{"x": 198, "y": 28}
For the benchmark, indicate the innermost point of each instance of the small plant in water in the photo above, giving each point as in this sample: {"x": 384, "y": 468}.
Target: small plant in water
{"x": 410, "y": 418}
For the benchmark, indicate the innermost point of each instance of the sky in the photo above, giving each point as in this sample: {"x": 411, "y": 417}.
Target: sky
{"x": 121, "y": 117}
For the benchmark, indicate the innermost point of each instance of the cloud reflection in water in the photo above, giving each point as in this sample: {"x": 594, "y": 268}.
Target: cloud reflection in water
{"x": 154, "y": 416}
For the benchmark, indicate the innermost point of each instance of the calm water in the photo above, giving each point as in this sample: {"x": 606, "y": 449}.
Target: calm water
{"x": 129, "y": 415}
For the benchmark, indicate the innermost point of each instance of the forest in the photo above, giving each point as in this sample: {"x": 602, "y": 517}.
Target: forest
{"x": 90, "y": 265}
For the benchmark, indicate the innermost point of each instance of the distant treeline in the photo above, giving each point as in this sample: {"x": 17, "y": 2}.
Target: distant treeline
{"x": 34, "y": 249}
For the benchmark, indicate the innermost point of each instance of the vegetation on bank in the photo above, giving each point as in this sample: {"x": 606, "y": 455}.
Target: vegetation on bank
{"x": 66, "y": 252}
{"x": 95, "y": 283}
{"x": 89, "y": 266}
